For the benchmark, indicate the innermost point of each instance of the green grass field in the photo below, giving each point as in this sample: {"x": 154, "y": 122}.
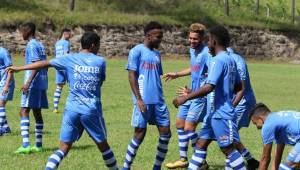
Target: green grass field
{"x": 275, "y": 84}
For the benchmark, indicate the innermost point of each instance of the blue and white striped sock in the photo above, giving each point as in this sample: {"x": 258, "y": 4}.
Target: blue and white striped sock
{"x": 25, "y": 131}
{"x": 236, "y": 161}
{"x": 56, "y": 96}
{"x": 198, "y": 159}
{"x": 284, "y": 166}
{"x": 55, "y": 159}
{"x": 246, "y": 154}
{"x": 2, "y": 117}
{"x": 193, "y": 136}
{"x": 227, "y": 165}
{"x": 183, "y": 141}
{"x": 39, "y": 134}
{"x": 162, "y": 149}
{"x": 109, "y": 159}
{"x": 131, "y": 152}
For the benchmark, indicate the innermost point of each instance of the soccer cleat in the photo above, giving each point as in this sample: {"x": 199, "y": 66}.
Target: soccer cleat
{"x": 252, "y": 164}
{"x": 56, "y": 111}
{"x": 205, "y": 166}
{"x": 6, "y": 130}
{"x": 181, "y": 163}
{"x": 35, "y": 149}
{"x": 23, "y": 150}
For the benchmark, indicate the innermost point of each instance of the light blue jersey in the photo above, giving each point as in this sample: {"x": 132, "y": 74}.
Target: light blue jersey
{"x": 85, "y": 73}
{"x": 223, "y": 75}
{"x": 35, "y": 51}
{"x": 147, "y": 64}
{"x": 5, "y": 61}
{"x": 282, "y": 127}
{"x": 62, "y": 47}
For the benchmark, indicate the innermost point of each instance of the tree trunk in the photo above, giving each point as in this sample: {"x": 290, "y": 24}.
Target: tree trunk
{"x": 226, "y": 7}
{"x": 293, "y": 10}
{"x": 71, "y": 5}
{"x": 257, "y": 7}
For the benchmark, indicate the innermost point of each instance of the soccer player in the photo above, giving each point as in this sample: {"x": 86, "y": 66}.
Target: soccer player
{"x": 281, "y": 127}
{"x": 144, "y": 71}
{"x": 224, "y": 79}
{"x": 242, "y": 108}
{"x": 83, "y": 111}
{"x": 192, "y": 111}
{"x": 34, "y": 95}
{"x": 7, "y": 85}
{"x": 62, "y": 47}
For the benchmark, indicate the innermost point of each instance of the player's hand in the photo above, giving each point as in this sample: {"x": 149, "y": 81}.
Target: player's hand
{"x": 5, "y": 90}
{"x": 12, "y": 69}
{"x": 183, "y": 91}
{"x": 141, "y": 106}
{"x": 170, "y": 76}
{"x": 179, "y": 101}
{"x": 25, "y": 87}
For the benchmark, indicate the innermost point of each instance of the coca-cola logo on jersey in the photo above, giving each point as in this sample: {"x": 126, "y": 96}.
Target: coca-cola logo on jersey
{"x": 91, "y": 86}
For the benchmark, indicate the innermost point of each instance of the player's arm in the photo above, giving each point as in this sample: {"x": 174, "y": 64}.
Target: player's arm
{"x": 134, "y": 87}
{"x": 33, "y": 66}
{"x": 239, "y": 90}
{"x": 265, "y": 157}
{"x": 175, "y": 75}
{"x": 203, "y": 91}
{"x": 278, "y": 156}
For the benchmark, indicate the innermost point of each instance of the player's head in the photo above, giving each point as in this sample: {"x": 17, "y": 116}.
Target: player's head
{"x": 196, "y": 35}
{"x": 258, "y": 114}
{"x": 218, "y": 38}
{"x": 90, "y": 41}
{"x": 27, "y": 30}
{"x": 153, "y": 34}
{"x": 65, "y": 34}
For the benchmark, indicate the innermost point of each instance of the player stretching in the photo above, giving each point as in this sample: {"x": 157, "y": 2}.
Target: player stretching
{"x": 192, "y": 111}
{"x": 144, "y": 71}
{"x": 34, "y": 95}
{"x": 7, "y": 85}
{"x": 242, "y": 108}
{"x": 62, "y": 47}
{"x": 83, "y": 111}
{"x": 281, "y": 127}
{"x": 224, "y": 79}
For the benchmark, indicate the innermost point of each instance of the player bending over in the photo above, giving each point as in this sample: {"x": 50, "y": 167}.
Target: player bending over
{"x": 281, "y": 127}
{"x": 7, "y": 85}
{"x": 34, "y": 90}
{"x": 191, "y": 112}
{"x": 224, "y": 80}
{"x": 83, "y": 111}
{"x": 62, "y": 47}
{"x": 144, "y": 71}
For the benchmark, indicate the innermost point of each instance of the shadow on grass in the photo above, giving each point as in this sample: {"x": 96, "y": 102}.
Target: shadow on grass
{"x": 18, "y": 133}
{"x": 80, "y": 147}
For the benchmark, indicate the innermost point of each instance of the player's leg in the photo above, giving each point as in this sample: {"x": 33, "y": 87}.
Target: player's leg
{"x": 161, "y": 118}
{"x": 95, "y": 126}
{"x": 58, "y": 155}
{"x": 60, "y": 82}
{"x": 4, "y": 128}
{"x": 24, "y": 126}
{"x": 183, "y": 139}
{"x": 139, "y": 122}
{"x": 39, "y": 125}
{"x": 293, "y": 159}
{"x": 224, "y": 131}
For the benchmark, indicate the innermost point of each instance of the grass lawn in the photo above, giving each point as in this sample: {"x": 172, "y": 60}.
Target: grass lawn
{"x": 275, "y": 84}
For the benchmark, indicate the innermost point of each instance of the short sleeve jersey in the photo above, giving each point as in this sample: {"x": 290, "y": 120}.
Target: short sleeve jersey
{"x": 5, "y": 61}
{"x": 282, "y": 127}
{"x": 86, "y": 73}
{"x": 199, "y": 68}
{"x": 244, "y": 75}
{"x": 223, "y": 75}
{"x": 147, "y": 65}
{"x": 35, "y": 51}
{"x": 62, "y": 47}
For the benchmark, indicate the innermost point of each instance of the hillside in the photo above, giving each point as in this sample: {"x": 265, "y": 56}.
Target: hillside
{"x": 172, "y": 12}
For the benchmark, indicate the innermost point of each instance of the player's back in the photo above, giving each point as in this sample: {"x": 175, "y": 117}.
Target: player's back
{"x": 285, "y": 125}
{"x": 62, "y": 47}
{"x": 224, "y": 66}
{"x": 85, "y": 73}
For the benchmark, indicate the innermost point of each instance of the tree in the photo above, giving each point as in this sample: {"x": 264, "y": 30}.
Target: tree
{"x": 71, "y": 5}
{"x": 293, "y": 10}
{"x": 226, "y": 7}
{"x": 257, "y": 7}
